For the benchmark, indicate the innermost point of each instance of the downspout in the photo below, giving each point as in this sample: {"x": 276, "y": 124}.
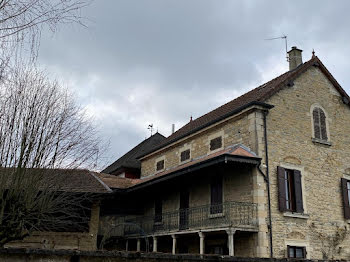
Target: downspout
{"x": 267, "y": 181}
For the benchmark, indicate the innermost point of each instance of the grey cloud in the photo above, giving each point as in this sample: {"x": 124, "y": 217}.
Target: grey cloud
{"x": 157, "y": 61}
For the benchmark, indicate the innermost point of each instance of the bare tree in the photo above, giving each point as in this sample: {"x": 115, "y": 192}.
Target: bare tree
{"x": 22, "y": 22}
{"x": 41, "y": 129}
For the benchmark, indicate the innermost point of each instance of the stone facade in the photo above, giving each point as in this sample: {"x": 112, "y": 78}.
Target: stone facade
{"x": 233, "y": 130}
{"x": 290, "y": 145}
{"x": 322, "y": 166}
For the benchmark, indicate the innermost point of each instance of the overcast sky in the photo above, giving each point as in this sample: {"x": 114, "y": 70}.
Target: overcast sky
{"x": 160, "y": 61}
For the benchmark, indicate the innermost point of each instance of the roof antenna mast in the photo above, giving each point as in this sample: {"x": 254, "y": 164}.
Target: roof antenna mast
{"x": 285, "y": 41}
{"x": 150, "y": 128}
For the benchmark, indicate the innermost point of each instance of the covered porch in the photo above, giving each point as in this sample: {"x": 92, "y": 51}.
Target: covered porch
{"x": 209, "y": 205}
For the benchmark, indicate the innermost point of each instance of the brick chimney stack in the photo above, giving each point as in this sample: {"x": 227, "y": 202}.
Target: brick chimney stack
{"x": 295, "y": 57}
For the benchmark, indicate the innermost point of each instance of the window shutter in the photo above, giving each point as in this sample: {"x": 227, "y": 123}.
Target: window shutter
{"x": 281, "y": 189}
{"x": 288, "y": 252}
{"x": 316, "y": 119}
{"x": 323, "y": 125}
{"x": 298, "y": 192}
{"x": 216, "y": 143}
{"x": 344, "y": 185}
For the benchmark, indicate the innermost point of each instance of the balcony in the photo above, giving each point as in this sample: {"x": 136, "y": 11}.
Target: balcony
{"x": 239, "y": 215}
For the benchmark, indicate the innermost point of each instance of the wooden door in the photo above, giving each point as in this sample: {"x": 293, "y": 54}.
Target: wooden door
{"x": 184, "y": 210}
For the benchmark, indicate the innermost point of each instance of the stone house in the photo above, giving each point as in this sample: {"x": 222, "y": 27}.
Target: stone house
{"x": 267, "y": 174}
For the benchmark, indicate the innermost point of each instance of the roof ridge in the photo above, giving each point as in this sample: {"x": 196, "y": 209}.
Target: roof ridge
{"x": 100, "y": 181}
{"x": 132, "y": 153}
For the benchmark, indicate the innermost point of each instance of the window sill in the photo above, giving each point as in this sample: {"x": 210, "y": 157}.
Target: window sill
{"x": 296, "y": 215}
{"x": 322, "y": 142}
{"x": 216, "y": 215}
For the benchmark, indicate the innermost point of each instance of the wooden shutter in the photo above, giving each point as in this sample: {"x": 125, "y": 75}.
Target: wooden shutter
{"x": 344, "y": 185}
{"x": 316, "y": 119}
{"x": 323, "y": 125}
{"x": 185, "y": 155}
{"x": 160, "y": 165}
{"x": 216, "y": 143}
{"x": 298, "y": 191}
{"x": 281, "y": 189}
{"x": 304, "y": 252}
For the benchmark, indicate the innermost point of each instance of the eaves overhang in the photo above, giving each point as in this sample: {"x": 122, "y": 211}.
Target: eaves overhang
{"x": 224, "y": 158}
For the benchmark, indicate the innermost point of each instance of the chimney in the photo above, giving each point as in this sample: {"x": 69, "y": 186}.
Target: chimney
{"x": 295, "y": 58}
{"x": 172, "y": 128}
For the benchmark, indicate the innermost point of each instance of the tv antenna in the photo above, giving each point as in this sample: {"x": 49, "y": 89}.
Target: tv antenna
{"x": 285, "y": 41}
{"x": 150, "y": 128}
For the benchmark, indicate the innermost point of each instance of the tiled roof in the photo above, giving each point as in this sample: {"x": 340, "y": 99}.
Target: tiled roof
{"x": 129, "y": 160}
{"x": 69, "y": 180}
{"x": 259, "y": 95}
{"x": 118, "y": 182}
{"x": 238, "y": 151}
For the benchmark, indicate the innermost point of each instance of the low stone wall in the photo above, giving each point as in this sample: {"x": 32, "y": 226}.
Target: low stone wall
{"x": 40, "y": 255}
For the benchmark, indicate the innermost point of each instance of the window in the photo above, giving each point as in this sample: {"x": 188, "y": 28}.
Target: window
{"x": 320, "y": 126}
{"x": 75, "y": 258}
{"x": 346, "y": 197}
{"x": 289, "y": 190}
{"x": 185, "y": 155}
{"x": 158, "y": 210}
{"x": 296, "y": 252}
{"x": 160, "y": 165}
{"x": 216, "y": 143}
{"x": 216, "y": 195}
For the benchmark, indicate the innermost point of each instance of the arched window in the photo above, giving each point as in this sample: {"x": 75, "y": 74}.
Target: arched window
{"x": 320, "y": 126}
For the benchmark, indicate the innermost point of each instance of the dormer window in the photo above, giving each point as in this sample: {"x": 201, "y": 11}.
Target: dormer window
{"x": 216, "y": 143}
{"x": 320, "y": 124}
{"x": 160, "y": 165}
{"x": 185, "y": 155}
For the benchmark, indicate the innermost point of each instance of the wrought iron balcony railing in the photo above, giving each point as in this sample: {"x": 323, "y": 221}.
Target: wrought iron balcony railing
{"x": 228, "y": 214}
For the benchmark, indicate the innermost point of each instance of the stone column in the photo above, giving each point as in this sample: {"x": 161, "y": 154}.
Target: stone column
{"x": 201, "y": 243}
{"x": 155, "y": 244}
{"x": 231, "y": 241}
{"x": 174, "y": 244}
{"x": 260, "y": 198}
{"x": 127, "y": 245}
{"x": 138, "y": 246}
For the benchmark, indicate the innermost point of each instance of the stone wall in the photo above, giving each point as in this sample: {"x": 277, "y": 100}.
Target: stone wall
{"x": 234, "y": 131}
{"x": 322, "y": 166}
{"x": 14, "y": 255}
